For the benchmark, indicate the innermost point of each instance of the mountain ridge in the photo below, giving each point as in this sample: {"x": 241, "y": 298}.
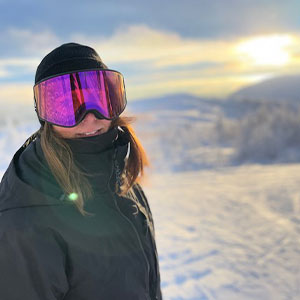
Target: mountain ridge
{"x": 277, "y": 89}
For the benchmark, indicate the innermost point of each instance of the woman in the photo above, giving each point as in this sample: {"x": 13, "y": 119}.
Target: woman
{"x": 75, "y": 223}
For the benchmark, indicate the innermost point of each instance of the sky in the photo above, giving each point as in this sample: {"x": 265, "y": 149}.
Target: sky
{"x": 205, "y": 48}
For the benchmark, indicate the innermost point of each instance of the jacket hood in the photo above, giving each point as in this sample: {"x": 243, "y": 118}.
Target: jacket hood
{"x": 17, "y": 193}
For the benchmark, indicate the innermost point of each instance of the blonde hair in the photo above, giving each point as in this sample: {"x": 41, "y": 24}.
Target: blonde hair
{"x": 72, "y": 180}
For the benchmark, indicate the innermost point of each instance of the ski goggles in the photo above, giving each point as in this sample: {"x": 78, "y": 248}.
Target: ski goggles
{"x": 65, "y": 99}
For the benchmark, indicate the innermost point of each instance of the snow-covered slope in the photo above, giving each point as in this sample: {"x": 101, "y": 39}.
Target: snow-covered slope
{"x": 280, "y": 89}
{"x": 225, "y": 231}
{"x": 228, "y": 234}
{"x": 183, "y": 132}
{"x": 178, "y": 131}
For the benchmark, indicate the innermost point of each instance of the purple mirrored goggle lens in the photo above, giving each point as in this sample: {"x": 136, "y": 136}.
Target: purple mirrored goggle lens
{"x": 64, "y": 99}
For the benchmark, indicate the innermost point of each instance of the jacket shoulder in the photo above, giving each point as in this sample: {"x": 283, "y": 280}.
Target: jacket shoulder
{"x": 142, "y": 197}
{"x": 143, "y": 205}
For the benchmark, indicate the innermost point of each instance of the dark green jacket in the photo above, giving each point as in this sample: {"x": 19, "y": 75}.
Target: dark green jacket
{"x": 49, "y": 251}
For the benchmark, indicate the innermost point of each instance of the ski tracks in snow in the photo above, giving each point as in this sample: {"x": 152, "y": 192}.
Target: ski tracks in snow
{"x": 228, "y": 233}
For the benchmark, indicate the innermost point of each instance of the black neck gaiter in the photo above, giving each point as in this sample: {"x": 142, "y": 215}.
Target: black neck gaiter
{"x": 93, "y": 155}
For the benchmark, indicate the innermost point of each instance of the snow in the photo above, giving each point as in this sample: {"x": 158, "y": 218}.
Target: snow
{"x": 226, "y": 228}
{"x": 231, "y": 233}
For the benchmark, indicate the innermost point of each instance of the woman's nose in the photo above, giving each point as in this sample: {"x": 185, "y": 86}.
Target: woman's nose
{"x": 89, "y": 117}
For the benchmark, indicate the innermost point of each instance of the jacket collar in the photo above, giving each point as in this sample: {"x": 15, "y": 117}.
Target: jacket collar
{"x": 15, "y": 193}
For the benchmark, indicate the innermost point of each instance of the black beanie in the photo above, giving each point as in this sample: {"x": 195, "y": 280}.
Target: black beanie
{"x": 68, "y": 57}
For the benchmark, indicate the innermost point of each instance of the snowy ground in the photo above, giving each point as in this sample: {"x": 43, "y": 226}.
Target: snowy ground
{"x": 229, "y": 234}
{"x": 224, "y": 231}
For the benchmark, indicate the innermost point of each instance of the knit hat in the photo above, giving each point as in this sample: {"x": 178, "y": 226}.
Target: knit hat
{"x": 67, "y": 58}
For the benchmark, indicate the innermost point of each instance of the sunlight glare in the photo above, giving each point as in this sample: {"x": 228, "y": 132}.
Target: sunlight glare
{"x": 266, "y": 50}
{"x": 73, "y": 196}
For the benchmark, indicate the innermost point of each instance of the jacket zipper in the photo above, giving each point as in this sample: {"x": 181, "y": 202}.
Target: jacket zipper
{"x": 152, "y": 241}
{"x": 120, "y": 212}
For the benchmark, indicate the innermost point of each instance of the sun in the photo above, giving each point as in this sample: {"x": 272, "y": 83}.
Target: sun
{"x": 265, "y": 50}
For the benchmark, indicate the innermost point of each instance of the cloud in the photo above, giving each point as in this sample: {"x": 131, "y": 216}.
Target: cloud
{"x": 26, "y": 42}
{"x": 16, "y": 92}
{"x": 3, "y": 72}
{"x": 193, "y": 18}
{"x": 140, "y": 43}
{"x": 159, "y": 61}
{"x": 31, "y": 42}
{"x": 13, "y": 67}
{"x": 22, "y": 51}
{"x": 160, "y": 49}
